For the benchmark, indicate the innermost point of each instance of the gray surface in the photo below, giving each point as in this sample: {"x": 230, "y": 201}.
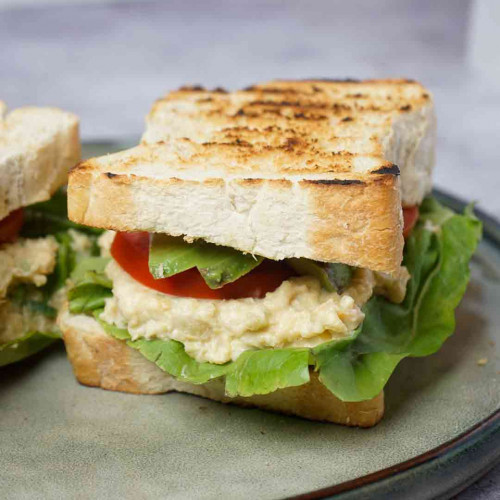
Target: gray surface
{"x": 60, "y": 439}
{"x": 108, "y": 62}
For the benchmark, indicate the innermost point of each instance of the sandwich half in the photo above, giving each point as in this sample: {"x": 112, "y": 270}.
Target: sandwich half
{"x": 38, "y": 245}
{"x": 273, "y": 247}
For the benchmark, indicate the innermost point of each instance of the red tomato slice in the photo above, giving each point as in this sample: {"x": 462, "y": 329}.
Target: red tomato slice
{"x": 10, "y": 226}
{"x": 410, "y": 216}
{"x": 131, "y": 251}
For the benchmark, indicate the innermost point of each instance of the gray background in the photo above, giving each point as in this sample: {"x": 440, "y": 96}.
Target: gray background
{"x": 107, "y": 61}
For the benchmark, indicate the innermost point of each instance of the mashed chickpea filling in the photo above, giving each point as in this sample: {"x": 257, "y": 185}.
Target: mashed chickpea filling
{"x": 28, "y": 261}
{"x": 299, "y": 313}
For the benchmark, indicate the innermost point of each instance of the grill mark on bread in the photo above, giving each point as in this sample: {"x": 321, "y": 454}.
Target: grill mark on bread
{"x": 347, "y": 111}
{"x": 251, "y": 180}
{"x": 329, "y": 80}
{"x": 330, "y": 182}
{"x": 311, "y": 158}
{"x": 291, "y": 104}
{"x": 214, "y": 181}
{"x": 261, "y": 113}
{"x": 191, "y": 88}
{"x": 123, "y": 178}
{"x": 236, "y": 142}
{"x": 298, "y": 105}
{"x": 393, "y": 169}
{"x": 303, "y": 116}
{"x": 295, "y": 106}
{"x": 240, "y": 112}
{"x": 254, "y": 182}
{"x": 273, "y": 90}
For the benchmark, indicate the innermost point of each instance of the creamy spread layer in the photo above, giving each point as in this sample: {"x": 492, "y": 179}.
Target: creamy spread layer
{"x": 30, "y": 261}
{"x": 27, "y": 261}
{"x": 299, "y": 313}
{"x": 17, "y": 320}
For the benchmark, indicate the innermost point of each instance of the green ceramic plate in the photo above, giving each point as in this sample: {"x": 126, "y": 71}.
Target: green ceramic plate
{"x": 441, "y": 430}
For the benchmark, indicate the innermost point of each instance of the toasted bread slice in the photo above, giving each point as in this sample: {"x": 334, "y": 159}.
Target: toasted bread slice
{"x": 397, "y": 114}
{"x": 285, "y": 169}
{"x": 352, "y": 217}
{"x": 102, "y": 361}
{"x": 37, "y": 148}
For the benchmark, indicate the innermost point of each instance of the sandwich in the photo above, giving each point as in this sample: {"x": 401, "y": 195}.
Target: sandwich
{"x": 38, "y": 244}
{"x": 274, "y": 247}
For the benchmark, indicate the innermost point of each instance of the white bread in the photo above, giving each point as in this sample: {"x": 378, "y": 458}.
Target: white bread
{"x": 397, "y": 114}
{"x": 286, "y": 169}
{"x": 99, "y": 360}
{"x": 37, "y": 148}
{"x": 333, "y": 219}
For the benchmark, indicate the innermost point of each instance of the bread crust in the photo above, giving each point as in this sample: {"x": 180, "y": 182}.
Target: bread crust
{"x": 340, "y": 217}
{"x": 99, "y": 360}
{"x": 37, "y": 148}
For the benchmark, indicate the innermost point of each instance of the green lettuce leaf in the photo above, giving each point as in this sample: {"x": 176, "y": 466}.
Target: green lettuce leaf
{"x": 437, "y": 254}
{"x": 66, "y": 261}
{"x": 254, "y": 372}
{"x": 87, "y": 298}
{"x": 51, "y": 217}
{"x": 218, "y": 265}
{"x": 91, "y": 270}
{"x": 267, "y": 370}
{"x": 332, "y": 276}
{"x": 91, "y": 286}
{"x": 31, "y": 343}
{"x": 33, "y": 298}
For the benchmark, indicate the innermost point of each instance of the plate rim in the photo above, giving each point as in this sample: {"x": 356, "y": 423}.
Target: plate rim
{"x": 482, "y": 437}
{"x": 467, "y": 440}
